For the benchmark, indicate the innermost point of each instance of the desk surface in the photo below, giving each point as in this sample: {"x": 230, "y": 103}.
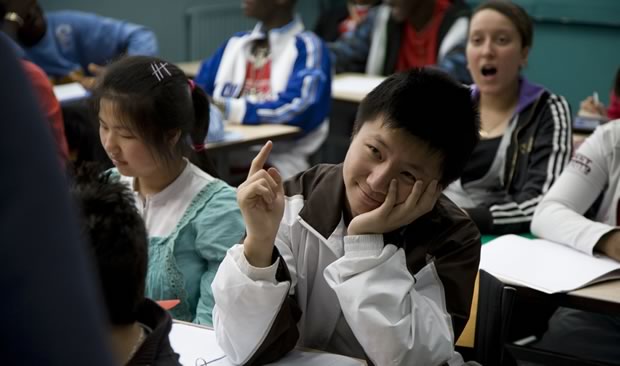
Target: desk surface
{"x": 252, "y": 135}
{"x": 600, "y": 297}
{"x": 353, "y": 87}
{"x": 190, "y": 68}
{"x": 197, "y": 345}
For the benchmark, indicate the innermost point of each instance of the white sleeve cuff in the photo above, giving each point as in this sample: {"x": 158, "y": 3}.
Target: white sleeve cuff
{"x": 257, "y": 273}
{"x": 356, "y": 246}
{"x": 235, "y": 110}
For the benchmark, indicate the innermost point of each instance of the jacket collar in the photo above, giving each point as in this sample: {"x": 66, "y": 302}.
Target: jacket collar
{"x": 528, "y": 93}
{"x": 325, "y": 205}
{"x": 294, "y": 27}
{"x": 156, "y": 343}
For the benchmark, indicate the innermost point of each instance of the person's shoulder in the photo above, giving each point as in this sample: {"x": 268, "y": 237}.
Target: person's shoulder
{"x": 37, "y": 76}
{"x": 608, "y": 134}
{"x": 305, "y": 182}
{"x": 452, "y": 221}
{"x": 69, "y": 15}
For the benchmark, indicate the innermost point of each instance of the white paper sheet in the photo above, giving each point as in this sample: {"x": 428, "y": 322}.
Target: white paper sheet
{"x": 72, "y": 91}
{"x": 356, "y": 86}
{"x": 543, "y": 265}
{"x": 197, "y": 346}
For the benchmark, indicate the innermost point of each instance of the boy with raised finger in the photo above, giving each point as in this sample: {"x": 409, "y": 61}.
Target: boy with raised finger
{"x": 367, "y": 258}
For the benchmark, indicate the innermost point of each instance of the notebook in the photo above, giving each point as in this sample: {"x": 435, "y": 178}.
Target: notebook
{"x": 544, "y": 265}
{"x": 354, "y": 87}
{"x": 68, "y": 92}
{"x": 196, "y": 345}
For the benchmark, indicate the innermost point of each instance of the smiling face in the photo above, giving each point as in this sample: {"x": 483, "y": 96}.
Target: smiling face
{"x": 495, "y": 53}
{"x": 128, "y": 153}
{"x": 379, "y": 154}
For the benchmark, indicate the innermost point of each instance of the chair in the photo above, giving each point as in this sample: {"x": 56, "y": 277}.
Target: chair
{"x": 488, "y": 322}
{"x": 495, "y": 301}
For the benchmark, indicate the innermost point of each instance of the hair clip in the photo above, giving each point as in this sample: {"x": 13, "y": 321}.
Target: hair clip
{"x": 198, "y": 147}
{"x": 157, "y": 70}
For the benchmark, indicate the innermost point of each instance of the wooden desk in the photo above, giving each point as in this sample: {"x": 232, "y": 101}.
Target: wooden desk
{"x": 253, "y": 135}
{"x": 600, "y": 298}
{"x": 352, "y": 87}
{"x": 249, "y": 135}
{"x": 190, "y": 68}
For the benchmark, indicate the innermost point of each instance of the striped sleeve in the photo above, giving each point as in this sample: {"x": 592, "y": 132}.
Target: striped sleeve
{"x": 306, "y": 100}
{"x": 550, "y": 152}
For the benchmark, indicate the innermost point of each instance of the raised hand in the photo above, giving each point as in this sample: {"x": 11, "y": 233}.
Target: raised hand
{"x": 390, "y": 215}
{"x": 261, "y": 200}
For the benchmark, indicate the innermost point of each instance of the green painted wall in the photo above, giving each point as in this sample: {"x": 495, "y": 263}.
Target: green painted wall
{"x": 168, "y": 18}
{"x": 576, "y": 46}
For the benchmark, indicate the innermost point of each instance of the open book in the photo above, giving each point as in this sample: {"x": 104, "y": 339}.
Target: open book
{"x": 354, "y": 87}
{"x": 544, "y": 265}
{"x": 197, "y": 346}
{"x": 69, "y": 92}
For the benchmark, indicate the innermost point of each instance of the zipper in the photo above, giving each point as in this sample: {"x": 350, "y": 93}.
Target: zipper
{"x": 515, "y": 142}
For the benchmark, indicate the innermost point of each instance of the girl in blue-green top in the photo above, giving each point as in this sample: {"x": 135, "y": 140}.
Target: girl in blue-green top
{"x": 151, "y": 119}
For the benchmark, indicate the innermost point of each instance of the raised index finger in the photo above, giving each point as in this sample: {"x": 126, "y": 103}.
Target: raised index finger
{"x": 259, "y": 160}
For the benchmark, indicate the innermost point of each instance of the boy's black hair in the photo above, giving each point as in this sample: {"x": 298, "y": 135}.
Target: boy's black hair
{"x": 118, "y": 239}
{"x": 432, "y": 106}
{"x": 154, "y": 99}
{"x": 516, "y": 14}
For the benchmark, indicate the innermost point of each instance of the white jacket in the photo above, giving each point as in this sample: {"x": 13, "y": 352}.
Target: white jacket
{"x": 592, "y": 179}
{"x": 395, "y": 299}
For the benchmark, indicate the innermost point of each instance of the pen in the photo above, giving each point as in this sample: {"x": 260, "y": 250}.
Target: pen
{"x": 595, "y": 97}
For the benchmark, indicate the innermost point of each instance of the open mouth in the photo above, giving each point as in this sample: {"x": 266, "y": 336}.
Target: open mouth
{"x": 488, "y": 70}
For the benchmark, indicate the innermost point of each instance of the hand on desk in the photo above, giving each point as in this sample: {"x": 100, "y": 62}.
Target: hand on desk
{"x": 609, "y": 245}
{"x": 88, "y": 82}
{"x": 392, "y": 215}
{"x": 261, "y": 200}
{"x": 589, "y": 105}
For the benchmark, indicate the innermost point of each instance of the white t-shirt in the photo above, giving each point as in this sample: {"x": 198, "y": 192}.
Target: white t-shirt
{"x": 593, "y": 170}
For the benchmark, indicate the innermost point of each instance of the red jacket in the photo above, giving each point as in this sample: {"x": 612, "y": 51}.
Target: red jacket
{"x": 49, "y": 106}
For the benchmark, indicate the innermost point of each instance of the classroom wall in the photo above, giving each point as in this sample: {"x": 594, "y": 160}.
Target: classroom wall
{"x": 576, "y": 44}
{"x": 169, "y": 18}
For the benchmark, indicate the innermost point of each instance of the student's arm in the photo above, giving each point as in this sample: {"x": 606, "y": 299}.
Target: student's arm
{"x": 256, "y": 313}
{"x": 101, "y": 39}
{"x": 452, "y": 58}
{"x": 550, "y": 152}
{"x": 398, "y": 318}
{"x": 305, "y": 101}
{"x": 50, "y": 107}
{"x": 218, "y": 229}
{"x": 255, "y": 319}
{"x": 559, "y": 217}
{"x": 349, "y": 53}
{"x": 208, "y": 70}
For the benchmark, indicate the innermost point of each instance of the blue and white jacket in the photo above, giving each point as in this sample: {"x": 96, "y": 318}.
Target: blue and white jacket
{"x": 75, "y": 39}
{"x": 300, "y": 78}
